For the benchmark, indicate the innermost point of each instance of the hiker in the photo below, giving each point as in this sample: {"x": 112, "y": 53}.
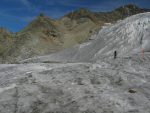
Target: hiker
{"x": 115, "y": 54}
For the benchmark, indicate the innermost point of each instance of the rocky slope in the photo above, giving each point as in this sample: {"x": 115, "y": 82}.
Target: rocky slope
{"x": 6, "y": 43}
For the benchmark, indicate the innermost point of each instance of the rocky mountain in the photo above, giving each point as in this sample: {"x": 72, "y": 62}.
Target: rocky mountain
{"x": 94, "y": 82}
{"x": 83, "y": 13}
{"x": 45, "y": 35}
{"x": 117, "y": 14}
{"x": 40, "y": 37}
{"x": 128, "y": 36}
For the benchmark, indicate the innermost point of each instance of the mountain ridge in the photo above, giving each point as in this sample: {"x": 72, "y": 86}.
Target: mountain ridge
{"x": 128, "y": 37}
{"x": 122, "y": 11}
{"x": 44, "y": 35}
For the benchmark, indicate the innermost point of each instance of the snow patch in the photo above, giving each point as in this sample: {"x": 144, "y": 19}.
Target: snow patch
{"x": 7, "y": 88}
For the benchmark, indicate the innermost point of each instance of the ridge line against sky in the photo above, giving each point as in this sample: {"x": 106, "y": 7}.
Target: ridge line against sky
{"x": 16, "y": 14}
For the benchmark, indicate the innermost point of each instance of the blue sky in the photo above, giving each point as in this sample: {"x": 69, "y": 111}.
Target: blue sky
{"x": 16, "y": 14}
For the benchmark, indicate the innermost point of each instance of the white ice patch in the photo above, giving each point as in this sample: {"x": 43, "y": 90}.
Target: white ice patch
{"x": 7, "y": 88}
{"x": 83, "y": 45}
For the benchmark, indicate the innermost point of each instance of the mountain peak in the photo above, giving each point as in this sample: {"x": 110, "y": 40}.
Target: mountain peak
{"x": 129, "y": 10}
{"x": 131, "y": 6}
{"x": 41, "y": 15}
{"x": 82, "y": 13}
{"x": 83, "y": 10}
{"x": 79, "y": 13}
{"x": 41, "y": 22}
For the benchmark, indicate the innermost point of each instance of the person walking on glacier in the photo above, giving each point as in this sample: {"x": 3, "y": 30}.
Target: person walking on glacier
{"x": 115, "y": 54}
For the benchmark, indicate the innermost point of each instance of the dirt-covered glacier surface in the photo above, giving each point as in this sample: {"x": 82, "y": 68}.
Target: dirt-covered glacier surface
{"x": 109, "y": 86}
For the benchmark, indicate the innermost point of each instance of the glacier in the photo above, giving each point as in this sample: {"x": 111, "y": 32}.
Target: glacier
{"x": 85, "y": 78}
